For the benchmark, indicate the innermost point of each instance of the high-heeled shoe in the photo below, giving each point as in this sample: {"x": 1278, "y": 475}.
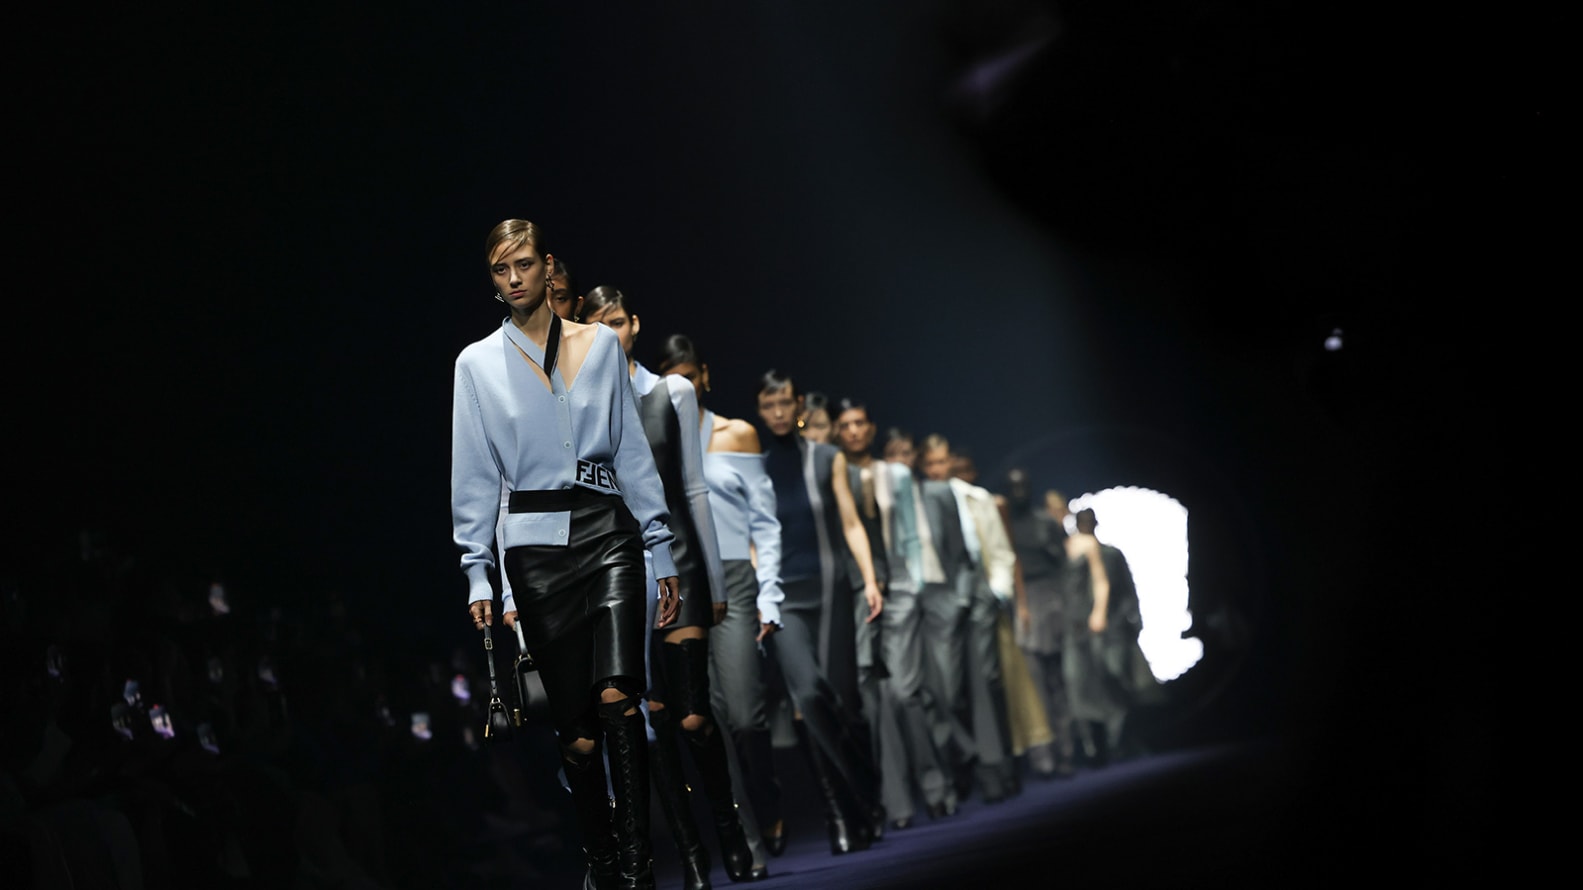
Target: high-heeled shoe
{"x": 735, "y": 854}
{"x": 877, "y": 821}
{"x": 756, "y": 754}
{"x": 775, "y": 840}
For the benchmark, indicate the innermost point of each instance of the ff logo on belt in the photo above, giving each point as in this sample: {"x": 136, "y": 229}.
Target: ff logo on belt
{"x": 596, "y": 476}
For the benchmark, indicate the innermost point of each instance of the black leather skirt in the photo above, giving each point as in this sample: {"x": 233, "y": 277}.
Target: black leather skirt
{"x": 697, "y": 608}
{"x": 582, "y": 606}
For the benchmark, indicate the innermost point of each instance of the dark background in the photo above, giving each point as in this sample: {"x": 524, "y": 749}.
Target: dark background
{"x": 258, "y": 229}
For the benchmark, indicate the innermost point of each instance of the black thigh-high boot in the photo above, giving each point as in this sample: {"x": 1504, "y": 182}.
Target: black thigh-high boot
{"x": 670, "y": 784}
{"x": 687, "y": 665}
{"x": 585, "y": 776}
{"x": 848, "y": 828}
{"x": 628, "y": 743}
{"x": 756, "y": 753}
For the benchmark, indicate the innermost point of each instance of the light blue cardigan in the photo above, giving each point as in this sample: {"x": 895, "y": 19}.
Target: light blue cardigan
{"x": 510, "y": 433}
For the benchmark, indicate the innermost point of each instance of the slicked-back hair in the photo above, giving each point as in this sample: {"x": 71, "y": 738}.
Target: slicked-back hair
{"x": 774, "y": 380}
{"x": 678, "y": 349}
{"x": 848, "y": 403}
{"x": 514, "y": 232}
{"x": 564, "y": 273}
{"x": 603, "y": 296}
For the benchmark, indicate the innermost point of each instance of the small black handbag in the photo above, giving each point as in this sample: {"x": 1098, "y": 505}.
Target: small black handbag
{"x": 499, "y": 724}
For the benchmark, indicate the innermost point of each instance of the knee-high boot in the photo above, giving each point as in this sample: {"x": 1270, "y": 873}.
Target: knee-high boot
{"x": 855, "y": 750}
{"x": 857, "y": 746}
{"x": 585, "y": 776}
{"x": 756, "y": 753}
{"x": 690, "y": 658}
{"x": 848, "y": 828}
{"x": 670, "y": 785}
{"x": 628, "y": 743}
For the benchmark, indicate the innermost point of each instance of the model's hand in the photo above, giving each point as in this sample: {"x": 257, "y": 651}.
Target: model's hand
{"x": 483, "y": 613}
{"x": 766, "y": 630}
{"x": 670, "y": 601}
{"x": 876, "y": 603}
{"x": 510, "y": 619}
{"x": 720, "y": 612}
{"x": 1096, "y": 622}
{"x": 1024, "y": 615}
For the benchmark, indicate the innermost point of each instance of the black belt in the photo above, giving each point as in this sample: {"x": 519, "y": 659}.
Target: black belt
{"x": 554, "y": 500}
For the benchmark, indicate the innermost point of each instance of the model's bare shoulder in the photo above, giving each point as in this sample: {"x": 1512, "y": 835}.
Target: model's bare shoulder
{"x": 733, "y": 434}
{"x": 1084, "y": 544}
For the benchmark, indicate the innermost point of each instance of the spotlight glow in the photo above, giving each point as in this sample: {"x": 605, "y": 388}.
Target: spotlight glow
{"x": 1150, "y": 528}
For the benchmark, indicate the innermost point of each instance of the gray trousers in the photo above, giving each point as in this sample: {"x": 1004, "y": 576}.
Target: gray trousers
{"x": 795, "y": 648}
{"x": 910, "y": 763}
{"x": 944, "y": 635}
{"x": 986, "y": 691}
{"x": 737, "y": 690}
{"x": 736, "y": 662}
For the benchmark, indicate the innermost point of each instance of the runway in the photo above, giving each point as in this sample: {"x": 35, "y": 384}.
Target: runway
{"x": 1206, "y": 817}
{"x": 1333, "y": 804}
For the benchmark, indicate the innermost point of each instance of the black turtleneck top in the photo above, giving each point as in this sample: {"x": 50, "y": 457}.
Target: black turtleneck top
{"x": 783, "y": 460}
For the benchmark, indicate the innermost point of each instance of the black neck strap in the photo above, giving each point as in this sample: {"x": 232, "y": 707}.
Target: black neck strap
{"x": 552, "y": 344}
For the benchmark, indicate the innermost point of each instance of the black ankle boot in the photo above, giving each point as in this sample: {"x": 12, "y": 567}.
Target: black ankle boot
{"x": 756, "y": 753}
{"x": 670, "y": 785}
{"x": 628, "y": 743}
{"x": 688, "y": 663}
{"x": 585, "y": 776}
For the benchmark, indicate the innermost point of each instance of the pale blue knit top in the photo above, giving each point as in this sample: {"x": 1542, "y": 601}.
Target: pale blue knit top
{"x": 510, "y": 433}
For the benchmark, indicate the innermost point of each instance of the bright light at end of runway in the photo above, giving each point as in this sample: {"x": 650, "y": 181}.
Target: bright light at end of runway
{"x": 1150, "y": 528}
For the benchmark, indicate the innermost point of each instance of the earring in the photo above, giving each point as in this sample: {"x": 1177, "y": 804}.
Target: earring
{"x": 499, "y": 297}
{"x": 801, "y": 422}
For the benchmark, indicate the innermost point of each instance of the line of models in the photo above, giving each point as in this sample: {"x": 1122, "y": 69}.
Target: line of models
{"x": 682, "y": 580}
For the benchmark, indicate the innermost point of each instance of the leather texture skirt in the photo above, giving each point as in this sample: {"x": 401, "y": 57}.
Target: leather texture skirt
{"x": 697, "y": 608}
{"x": 582, "y": 605}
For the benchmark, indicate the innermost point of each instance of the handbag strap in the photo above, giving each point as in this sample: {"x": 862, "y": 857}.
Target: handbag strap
{"x": 489, "y": 652}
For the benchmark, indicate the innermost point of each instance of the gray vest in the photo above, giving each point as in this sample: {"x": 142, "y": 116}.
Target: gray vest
{"x": 663, "y": 430}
